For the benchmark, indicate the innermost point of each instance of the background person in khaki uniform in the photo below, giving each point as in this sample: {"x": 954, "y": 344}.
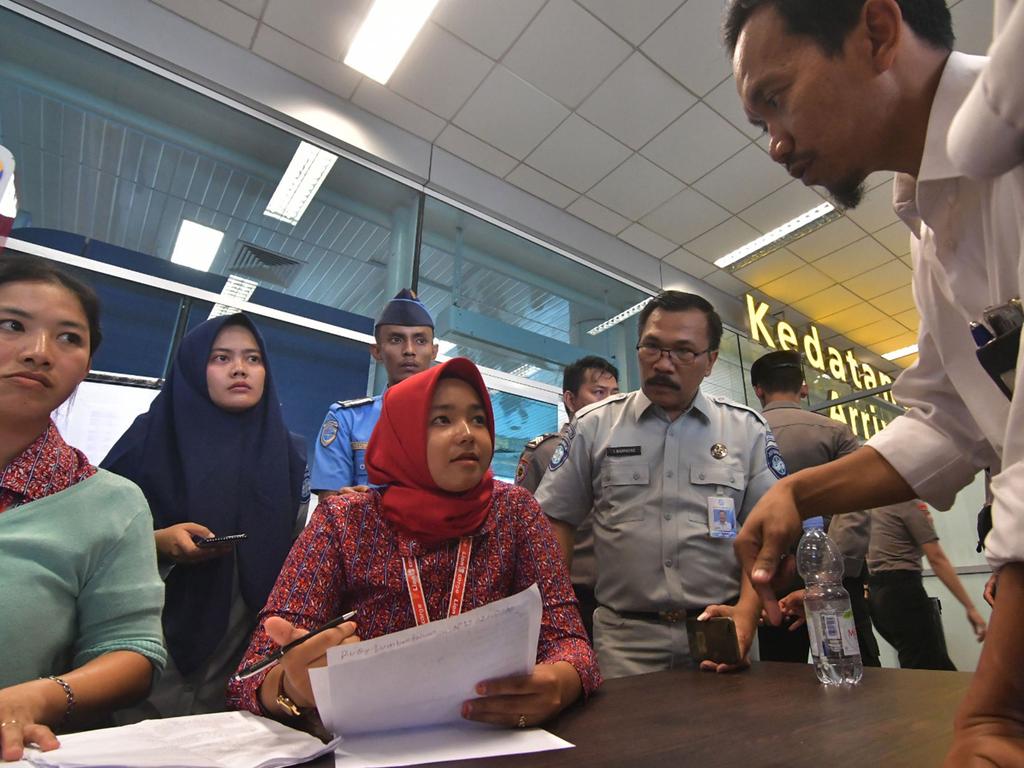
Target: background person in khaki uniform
{"x": 809, "y": 439}
{"x": 654, "y": 468}
{"x": 587, "y": 380}
{"x": 901, "y": 609}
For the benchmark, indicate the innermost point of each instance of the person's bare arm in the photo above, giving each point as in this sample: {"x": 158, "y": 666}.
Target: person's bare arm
{"x": 566, "y": 536}
{"x": 947, "y": 575}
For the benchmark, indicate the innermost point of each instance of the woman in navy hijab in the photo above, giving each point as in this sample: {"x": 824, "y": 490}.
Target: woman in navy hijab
{"x": 214, "y": 458}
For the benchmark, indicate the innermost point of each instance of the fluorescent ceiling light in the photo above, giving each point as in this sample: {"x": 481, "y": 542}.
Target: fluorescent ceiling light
{"x": 9, "y": 202}
{"x": 444, "y": 347}
{"x": 787, "y": 233}
{"x": 896, "y": 354}
{"x": 385, "y": 36}
{"x": 237, "y": 290}
{"x": 619, "y": 317}
{"x": 196, "y": 245}
{"x": 300, "y": 183}
{"x": 526, "y": 370}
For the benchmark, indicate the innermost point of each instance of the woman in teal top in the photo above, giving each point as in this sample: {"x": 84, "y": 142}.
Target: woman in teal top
{"x": 81, "y": 597}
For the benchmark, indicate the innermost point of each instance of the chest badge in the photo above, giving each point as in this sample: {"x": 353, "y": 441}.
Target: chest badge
{"x": 719, "y": 451}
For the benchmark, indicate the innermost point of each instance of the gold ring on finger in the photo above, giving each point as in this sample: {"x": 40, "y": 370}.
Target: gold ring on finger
{"x": 521, "y": 723}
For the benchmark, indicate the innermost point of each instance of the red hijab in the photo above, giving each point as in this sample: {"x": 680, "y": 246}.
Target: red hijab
{"x": 397, "y": 457}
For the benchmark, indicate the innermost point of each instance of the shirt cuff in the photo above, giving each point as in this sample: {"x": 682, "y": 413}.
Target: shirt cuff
{"x": 1005, "y": 542}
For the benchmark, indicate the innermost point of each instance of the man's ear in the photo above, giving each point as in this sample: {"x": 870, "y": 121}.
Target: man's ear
{"x": 883, "y": 24}
{"x": 375, "y": 353}
{"x": 803, "y": 390}
{"x": 569, "y": 401}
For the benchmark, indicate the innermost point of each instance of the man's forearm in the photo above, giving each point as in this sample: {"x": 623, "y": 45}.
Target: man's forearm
{"x": 947, "y": 575}
{"x": 566, "y": 536}
{"x": 861, "y": 480}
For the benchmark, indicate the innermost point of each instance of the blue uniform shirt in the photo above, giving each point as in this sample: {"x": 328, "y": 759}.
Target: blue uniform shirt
{"x": 340, "y": 458}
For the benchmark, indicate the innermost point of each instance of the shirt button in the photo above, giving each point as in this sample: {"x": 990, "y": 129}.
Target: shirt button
{"x": 670, "y": 473}
{"x": 701, "y": 475}
{"x": 668, "y": 563}
{"x": 732, "y": 479}
{"x": 668, "y": 516}
{"x": 636, "y": 475}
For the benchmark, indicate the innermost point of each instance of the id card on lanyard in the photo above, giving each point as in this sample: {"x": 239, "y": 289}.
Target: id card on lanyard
{"x": 415, "y": 584}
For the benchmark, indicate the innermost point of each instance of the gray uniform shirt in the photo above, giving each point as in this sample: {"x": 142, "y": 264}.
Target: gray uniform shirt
{"x": 648, "y": 481}
{"x": 809, "y": 439}
{"x": 897, "y": 534}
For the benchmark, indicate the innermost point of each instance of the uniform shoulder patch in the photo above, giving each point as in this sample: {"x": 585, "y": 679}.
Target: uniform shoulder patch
{"x": 329, "y": 431}
{"x": 739, "y": 407}
{"x": 773, "y": 457}
{"x": 354, "y": 403}
{"x": 562, "y": 449}
{"x": 534, "y": 444}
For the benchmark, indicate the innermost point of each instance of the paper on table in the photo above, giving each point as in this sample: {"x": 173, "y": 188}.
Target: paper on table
{"x": 422, "y": 675}
{"x": 221, "y": 740}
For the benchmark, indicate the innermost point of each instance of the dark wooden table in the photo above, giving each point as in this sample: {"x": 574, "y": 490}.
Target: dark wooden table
{"x": 774, "y": 715}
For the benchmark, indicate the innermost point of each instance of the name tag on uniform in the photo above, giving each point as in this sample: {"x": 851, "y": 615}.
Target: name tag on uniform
{"x": 721, "y": 517}
{"x": 624, "y": 450}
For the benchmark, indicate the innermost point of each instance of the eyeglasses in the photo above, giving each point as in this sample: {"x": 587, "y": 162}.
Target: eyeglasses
{"x": 651, "y": 353}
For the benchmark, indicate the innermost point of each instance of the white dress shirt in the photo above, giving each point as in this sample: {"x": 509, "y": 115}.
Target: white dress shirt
{"x": 967, "y": 251}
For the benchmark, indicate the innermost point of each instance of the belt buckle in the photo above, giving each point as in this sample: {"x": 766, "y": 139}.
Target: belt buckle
{"x": 673, "y": 616}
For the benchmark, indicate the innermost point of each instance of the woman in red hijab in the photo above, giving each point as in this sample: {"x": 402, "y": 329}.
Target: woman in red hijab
{"x": 440, "y": 507}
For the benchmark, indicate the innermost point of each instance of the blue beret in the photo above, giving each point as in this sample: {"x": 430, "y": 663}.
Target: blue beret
{"x": 404, "y": 309}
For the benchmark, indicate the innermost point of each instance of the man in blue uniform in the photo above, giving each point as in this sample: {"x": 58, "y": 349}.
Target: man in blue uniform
{"x": 405, "y": 346}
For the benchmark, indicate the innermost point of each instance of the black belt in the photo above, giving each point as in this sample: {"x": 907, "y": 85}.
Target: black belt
{"x": 673, "y": 616}
{"x": 897, "y": 574}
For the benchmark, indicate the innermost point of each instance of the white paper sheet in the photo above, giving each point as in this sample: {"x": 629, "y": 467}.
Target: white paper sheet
{"x": 222, "y": 740}
{"x": 422, "y": 675}
{"x": 465, "y": 741}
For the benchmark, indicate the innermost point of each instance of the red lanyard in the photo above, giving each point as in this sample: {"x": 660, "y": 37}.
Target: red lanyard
{"x": 412, "y": 581}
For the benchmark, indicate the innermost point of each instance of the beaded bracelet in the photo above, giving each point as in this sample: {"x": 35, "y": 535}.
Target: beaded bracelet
{"x": 70, "y": 707}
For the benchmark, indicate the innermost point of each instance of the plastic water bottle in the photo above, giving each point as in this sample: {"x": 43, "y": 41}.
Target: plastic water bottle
{"x": 830, "y": 623}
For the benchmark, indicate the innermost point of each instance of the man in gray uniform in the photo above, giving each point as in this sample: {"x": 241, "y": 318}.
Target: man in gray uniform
{"x": 656, "y": 467}
{"x": 807, "y": 440}
{"x": 585, "y": 381}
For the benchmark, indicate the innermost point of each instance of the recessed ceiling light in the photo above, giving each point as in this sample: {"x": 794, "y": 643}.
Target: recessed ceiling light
{"x": 196, "y": 246}
{"x": 896, "y": 354}
{"x": 238, "y": 289}
{"x": 300, "y": 183}
{"x": 385, "y": 36}
{"x": 787, "y": 233}
{"x": 613, "y": 321}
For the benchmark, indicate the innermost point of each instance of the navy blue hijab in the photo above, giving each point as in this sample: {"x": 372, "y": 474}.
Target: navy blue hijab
{"x": 232, "y": 472}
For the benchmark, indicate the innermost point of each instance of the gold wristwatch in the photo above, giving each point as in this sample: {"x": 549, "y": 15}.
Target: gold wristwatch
{"x": 285, "y": 702}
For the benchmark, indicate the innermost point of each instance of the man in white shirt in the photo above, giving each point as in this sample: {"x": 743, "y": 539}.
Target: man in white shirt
{"x": 844, "y": 89}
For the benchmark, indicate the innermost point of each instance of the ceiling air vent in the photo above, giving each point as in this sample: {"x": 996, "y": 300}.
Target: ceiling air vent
{"x": 265, "y": 267}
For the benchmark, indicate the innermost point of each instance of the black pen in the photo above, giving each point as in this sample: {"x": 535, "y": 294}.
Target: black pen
{"x": 272, "y": 659}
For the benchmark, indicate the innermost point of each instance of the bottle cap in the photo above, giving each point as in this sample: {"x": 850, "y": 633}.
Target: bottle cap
{"x": 814, "y": 522}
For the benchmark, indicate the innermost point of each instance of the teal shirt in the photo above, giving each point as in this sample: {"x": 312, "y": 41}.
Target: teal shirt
{"x": 79, "y": 579}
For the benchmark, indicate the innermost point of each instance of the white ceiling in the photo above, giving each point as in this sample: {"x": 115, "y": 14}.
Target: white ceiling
{"x": 625, "y": 115}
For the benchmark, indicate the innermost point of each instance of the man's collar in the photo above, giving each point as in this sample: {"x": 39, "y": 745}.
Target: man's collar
{"x": 699, "y": 407}
{"x": 781, "y": 404}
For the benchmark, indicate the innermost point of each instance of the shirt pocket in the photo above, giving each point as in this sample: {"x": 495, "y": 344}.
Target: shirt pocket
{"x": 718, "y": 479}
{"x": 624, "y": 487}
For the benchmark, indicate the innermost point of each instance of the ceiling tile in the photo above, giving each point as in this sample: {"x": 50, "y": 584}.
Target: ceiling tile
{"x": 490, "y": 26}
{"x": 636, "y": 102}
{"x": 895, "y": 237}
{"x": 902, "y": 339}
{"x": 690, "y": 264}
{"x": 439, "y": 72}
{"x": 894, "y": 302}
{"x": 770, "y": 267}
{"x": 743, "y": 179}
{"x": 972, "y": 23}
{"x": 780, "y": 206}
{"x": 471, "y": 149}
{"x": 694, "y": 144}
{"x": 851, "y": 319}
{"x": 826, "y": 302}
{"x": 635, "y": 187}
{"x": 305, "y": 62}
{"x": 324, "y": 25}
{"x": 648, "y": 242}
{"x": 218, "y": 17}
{"x": 541, "y": 186}
{"x": 875, "y": 332}
{"x": 726, "y": 102}
{"x": 909, "y": 319}
{"x": 598, "y": 215}
{"x": 875, "y": 211}
{"x": 883, "y": 279}
{"x": 688, "y": 47}
{"x": 723, "y": 239}
{"x": 826, "y": 240}
{"x": 723, "y": 281}
{"x": 566, "y": 52}
{"x": 578, "y": 154}
{"x": 510, "y": 114}
{"x": 855, "y": 259}
{"x": 686, "y": 216}
{"x": 634, "y": 21}
{"x": 375, "y": 98}
{"x": 797, "y": 285}
{"x": 252, "y": 7}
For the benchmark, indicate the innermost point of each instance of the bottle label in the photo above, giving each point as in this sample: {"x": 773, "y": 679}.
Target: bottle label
{"x": 833, "y": 634}
{"x": 848, "y": 628}
{"x": 812, "y": 633}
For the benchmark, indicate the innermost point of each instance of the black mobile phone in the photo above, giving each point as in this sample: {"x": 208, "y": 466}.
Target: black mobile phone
{"x": 214, "y": 541}
{"x": 713, "y": 640}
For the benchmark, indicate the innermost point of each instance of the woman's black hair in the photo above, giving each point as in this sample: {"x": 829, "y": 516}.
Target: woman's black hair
{"x": 18, "y": 267}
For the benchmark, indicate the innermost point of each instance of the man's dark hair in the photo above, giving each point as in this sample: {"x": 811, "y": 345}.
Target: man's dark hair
{"x": 778, "y": 372}
{"x": 572, "y": 377}
{"x": 828, "y": 22}
{"x": 16, "y": 267}
{"x": 680, "y": 301}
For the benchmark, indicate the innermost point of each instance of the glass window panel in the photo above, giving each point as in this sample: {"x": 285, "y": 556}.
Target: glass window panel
{"x": 517, "y": 420}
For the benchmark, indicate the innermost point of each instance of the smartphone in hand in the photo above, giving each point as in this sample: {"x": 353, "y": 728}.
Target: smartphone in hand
{"x": 713, "y": 640}
{"x": 214, "y": 541}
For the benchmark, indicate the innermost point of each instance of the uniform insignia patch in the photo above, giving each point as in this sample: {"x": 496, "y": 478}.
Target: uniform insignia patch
{"x": 773, "y": 457}
{"x": 329, "y": 432}
{"x": 524, "y": 464}
{"x": 719, "y": 451}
